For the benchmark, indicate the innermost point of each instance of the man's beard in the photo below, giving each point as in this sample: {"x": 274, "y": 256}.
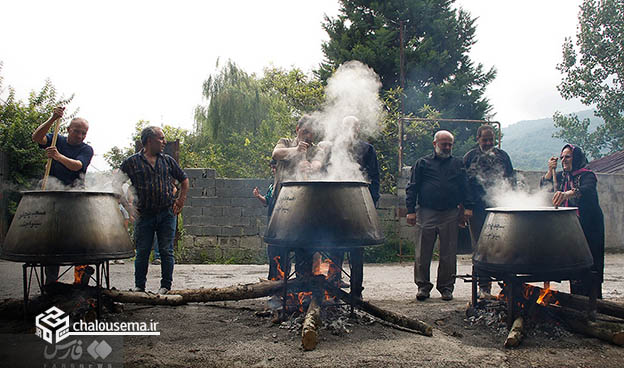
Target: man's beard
{"x": 441, "y": 154}
{"x": 486, "y": 149}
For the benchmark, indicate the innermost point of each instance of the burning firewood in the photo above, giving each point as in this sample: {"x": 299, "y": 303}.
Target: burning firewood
{"x": 388, "y": 316}
{"x": 582, "y": 303}
{"x": 311, "y": 324}
{"x": 515, "y": 334}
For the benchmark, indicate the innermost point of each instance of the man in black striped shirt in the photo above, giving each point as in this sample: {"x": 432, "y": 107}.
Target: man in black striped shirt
{"x": 152, "y": 174}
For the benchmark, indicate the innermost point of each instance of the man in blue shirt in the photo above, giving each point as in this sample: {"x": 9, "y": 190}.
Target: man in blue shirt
{"x": 70, "y": 159}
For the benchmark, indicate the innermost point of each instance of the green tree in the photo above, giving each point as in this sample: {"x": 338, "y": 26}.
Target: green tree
{"x": 187, "y": 157}
{"x": 18, "y": 120}
{"x": 245, "y": 115}
{"x": 438, "y": 38}
{"x": 576, "y": 131}
{"x": 594, "y": 72}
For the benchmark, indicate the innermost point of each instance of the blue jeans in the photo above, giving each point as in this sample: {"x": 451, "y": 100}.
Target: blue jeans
{"x": 162, "y": 224}
{"x": 155, "y": 245}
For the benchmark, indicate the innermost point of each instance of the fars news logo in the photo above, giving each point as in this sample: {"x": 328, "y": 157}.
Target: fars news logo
{"x": 52, "y": 325}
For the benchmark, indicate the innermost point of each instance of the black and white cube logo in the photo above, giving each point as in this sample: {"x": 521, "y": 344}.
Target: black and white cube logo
{"x": 52, "y": 325}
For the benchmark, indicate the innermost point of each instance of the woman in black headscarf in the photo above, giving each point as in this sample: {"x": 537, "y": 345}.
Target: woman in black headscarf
{"x": 576, "y": 187}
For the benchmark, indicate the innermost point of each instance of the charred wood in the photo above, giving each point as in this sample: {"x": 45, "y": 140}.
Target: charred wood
{"x": 577, "y": 321}
{"x": 388, "y": 316}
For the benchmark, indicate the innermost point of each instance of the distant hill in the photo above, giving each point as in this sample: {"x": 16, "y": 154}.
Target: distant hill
{"x": 530, "y": 144}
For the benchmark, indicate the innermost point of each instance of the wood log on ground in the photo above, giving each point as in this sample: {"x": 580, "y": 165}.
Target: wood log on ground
{"x": 311, "y": 325}
{"x": 582, "y": 303}
{"x": 234, "y": 292}
{"x": 608, "y": 331}
{"x": 143, "y": 297}
{"x": 388, "y": 316}
{"x": 515, "y": 334}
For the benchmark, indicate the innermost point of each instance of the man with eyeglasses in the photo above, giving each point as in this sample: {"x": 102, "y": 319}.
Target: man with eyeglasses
{"x": 487, "y": 168}
{"x": 439, "y": 186}
{"x": 152, "y": 174}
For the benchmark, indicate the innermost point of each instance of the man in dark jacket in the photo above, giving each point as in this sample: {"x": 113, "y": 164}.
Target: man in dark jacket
{"x": 439, "y": 186}
{"x": 486, "y": 167}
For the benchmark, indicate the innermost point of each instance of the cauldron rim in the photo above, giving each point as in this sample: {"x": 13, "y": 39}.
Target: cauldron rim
{"x": 325, "y": 182}
{"x": 531, "y": 209}
{"x": 70, "y": 192}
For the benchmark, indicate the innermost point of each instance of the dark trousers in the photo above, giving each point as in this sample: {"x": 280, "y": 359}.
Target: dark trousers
{"x": 447, "y": 268}
{"x": 356, "y": 265}
{"x": 278, "y": 256}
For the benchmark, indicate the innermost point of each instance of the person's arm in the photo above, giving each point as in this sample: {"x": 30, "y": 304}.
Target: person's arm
{"x": 282, "y": 152}
{"x": 71, "y": 164}
{"x": 373, "y": 174}
{"x": 179, "y": 202}
{"x": 411, "y": 194}
{"x": 260, "y": 197}
{"x": 39, "y": 135}
{"x": 468, "y": 201}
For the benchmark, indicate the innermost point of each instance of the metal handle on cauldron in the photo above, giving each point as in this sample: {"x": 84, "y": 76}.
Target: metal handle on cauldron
{"x": 53, "y": 144}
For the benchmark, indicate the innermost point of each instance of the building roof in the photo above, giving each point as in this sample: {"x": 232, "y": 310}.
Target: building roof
{"x": 613, "y": 163}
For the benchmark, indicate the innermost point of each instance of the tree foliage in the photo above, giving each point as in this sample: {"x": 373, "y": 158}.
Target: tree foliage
{"x": 576, "y": 131}
{"x": 18, "y": 120}
{"x": 594, "y": 72}
{"x": 438, "y": 71}
{"x": 245, "y": 115}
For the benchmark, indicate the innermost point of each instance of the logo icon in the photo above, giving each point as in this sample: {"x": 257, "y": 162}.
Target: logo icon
{"x": 52, "y": 325}
{"x": 99, "y": 349}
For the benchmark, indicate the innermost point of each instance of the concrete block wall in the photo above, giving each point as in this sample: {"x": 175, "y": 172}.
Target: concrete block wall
{"x": 223, "y": 221}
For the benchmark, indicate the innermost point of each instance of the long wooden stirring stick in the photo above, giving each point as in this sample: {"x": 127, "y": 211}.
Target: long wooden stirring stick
{"x": 49, "y": 163}
{"x": 555, "y": 184}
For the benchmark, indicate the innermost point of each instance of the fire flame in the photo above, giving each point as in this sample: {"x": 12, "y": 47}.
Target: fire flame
{"x": 547, "y": 295}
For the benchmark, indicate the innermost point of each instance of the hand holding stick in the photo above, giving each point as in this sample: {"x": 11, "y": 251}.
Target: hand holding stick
{"x": 58, "y": 113}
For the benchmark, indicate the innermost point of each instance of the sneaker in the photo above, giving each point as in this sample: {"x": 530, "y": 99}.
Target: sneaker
{"x": 137, "y": 289}
{"x": 422, "y": 295}
{"x": 156, "y": 261}
{"x": 163, "y": 291}
{"x": 447, "y": 295}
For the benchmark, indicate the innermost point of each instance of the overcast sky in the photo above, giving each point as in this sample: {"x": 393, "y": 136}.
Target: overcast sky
{"x": 132, "y": 60}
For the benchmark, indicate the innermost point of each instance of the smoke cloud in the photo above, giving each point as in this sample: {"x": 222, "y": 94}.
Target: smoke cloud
{"x": 352, "y": 109}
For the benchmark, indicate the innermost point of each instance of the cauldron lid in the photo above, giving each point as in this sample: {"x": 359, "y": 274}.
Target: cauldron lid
{"x": 531, "y": 209}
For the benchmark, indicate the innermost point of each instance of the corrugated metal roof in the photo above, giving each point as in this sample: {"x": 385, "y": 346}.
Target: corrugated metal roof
{"x": 613, "y": 163}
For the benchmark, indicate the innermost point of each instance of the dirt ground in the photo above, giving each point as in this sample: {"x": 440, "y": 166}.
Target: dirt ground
{"x": 231, "y": 334}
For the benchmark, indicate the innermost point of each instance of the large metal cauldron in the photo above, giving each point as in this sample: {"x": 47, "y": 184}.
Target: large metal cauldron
{"x": 537, "y": 240}
{"x": 67, "y": 227}
{"x": 324, "y": 215}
